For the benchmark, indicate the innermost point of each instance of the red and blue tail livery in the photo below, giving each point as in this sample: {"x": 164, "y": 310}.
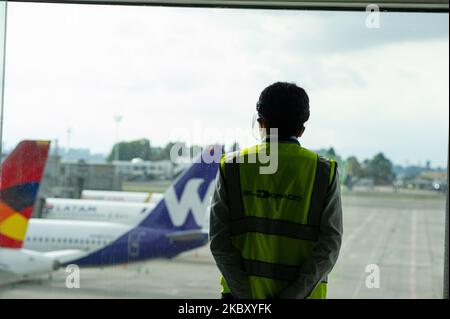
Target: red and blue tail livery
{"x": 20, "y": 176}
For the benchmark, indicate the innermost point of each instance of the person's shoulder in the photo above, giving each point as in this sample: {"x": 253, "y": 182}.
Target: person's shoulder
{"x": 330, "y": 164}
{"x": 234, "y": 156}
{"x": 325, "y": 159}
{"x": 307, "y": 154}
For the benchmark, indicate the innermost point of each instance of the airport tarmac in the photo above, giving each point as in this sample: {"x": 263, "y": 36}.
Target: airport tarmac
{"x": 401, "y": 236}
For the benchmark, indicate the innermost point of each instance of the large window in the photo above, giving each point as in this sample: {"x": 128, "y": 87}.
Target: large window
{"x": 88, "y": 77}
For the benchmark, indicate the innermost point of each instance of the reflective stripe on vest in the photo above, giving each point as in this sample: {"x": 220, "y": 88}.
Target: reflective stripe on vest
{"x": 271, "y": 270}
{"x": 274, "y": 227}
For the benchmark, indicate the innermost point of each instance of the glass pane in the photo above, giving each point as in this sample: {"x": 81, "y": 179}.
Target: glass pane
{"x": 114, "y": 87}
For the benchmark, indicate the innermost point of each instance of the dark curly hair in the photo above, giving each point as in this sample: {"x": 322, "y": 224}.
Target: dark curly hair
{"x": 284, "y": 106}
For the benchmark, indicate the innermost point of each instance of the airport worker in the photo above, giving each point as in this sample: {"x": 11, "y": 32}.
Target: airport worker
{"x": 276, "y": 233}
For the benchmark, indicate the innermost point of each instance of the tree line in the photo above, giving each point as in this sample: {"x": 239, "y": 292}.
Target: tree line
{"x": 379, "y": 168}
{"x": 126, "y": 151}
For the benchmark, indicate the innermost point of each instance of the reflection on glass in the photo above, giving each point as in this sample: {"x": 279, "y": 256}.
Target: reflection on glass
{"x": 129, "y": 102}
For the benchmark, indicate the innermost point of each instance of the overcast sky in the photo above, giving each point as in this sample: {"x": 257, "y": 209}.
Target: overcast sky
{"x": 197, "y": 73}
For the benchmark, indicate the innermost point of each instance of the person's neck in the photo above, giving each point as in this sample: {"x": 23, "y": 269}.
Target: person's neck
{"x": 280, "y": 138}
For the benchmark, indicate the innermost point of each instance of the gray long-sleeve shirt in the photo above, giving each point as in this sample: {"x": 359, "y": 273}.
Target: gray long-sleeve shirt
{"x": 315, "y": 270}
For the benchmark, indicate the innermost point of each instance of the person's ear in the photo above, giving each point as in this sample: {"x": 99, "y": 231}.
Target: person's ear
{"x": 300, "y": 133}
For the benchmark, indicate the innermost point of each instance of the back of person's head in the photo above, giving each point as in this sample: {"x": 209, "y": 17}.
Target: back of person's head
{"x": 284, "y": 106}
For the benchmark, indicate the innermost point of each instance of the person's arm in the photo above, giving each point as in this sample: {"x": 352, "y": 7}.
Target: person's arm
{"x": 227, "y": 257}
{"x": 325, "y": 252}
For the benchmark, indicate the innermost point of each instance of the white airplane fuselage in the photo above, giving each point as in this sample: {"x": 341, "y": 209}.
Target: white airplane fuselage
{"x": 96, "y": 210}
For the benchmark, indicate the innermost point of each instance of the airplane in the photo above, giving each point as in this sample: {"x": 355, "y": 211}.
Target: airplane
{"x": 134, "y": 197}
{"x": 128, "y": 213}
{"x": 108, "y": 206}
{"x": 114, "y": 206}
{"x": 173, "y": 226}
{"x": 20, "y": 177}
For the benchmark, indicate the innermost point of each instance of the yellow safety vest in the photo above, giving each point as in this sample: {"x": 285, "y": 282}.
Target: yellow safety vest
{"x": 276, "y": 217}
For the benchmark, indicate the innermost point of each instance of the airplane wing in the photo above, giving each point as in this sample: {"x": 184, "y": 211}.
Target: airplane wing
{"x": 22, "y": 264}
{"x": 188, "y": 235}
{"x": 19, "y": 264}
{"x": 7, "y": 277}
{"x": 66, "y": 255}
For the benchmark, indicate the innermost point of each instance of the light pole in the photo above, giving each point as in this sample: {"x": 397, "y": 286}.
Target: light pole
{"x": 117, "y": 119}
{"x": 69, "y": 135}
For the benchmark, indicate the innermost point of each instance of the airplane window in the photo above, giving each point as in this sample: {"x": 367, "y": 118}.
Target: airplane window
{"x": 128, "y": 103}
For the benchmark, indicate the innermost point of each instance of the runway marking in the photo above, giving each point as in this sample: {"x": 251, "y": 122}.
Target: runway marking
{"x": 375, "y": 252}
{"x": 349, "y": 240}
{"x": 412, "y": 259}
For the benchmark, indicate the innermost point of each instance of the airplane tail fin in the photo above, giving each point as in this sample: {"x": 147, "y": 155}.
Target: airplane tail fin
{"x": 186, "y": 202}
{"x": 20, "y": 175}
